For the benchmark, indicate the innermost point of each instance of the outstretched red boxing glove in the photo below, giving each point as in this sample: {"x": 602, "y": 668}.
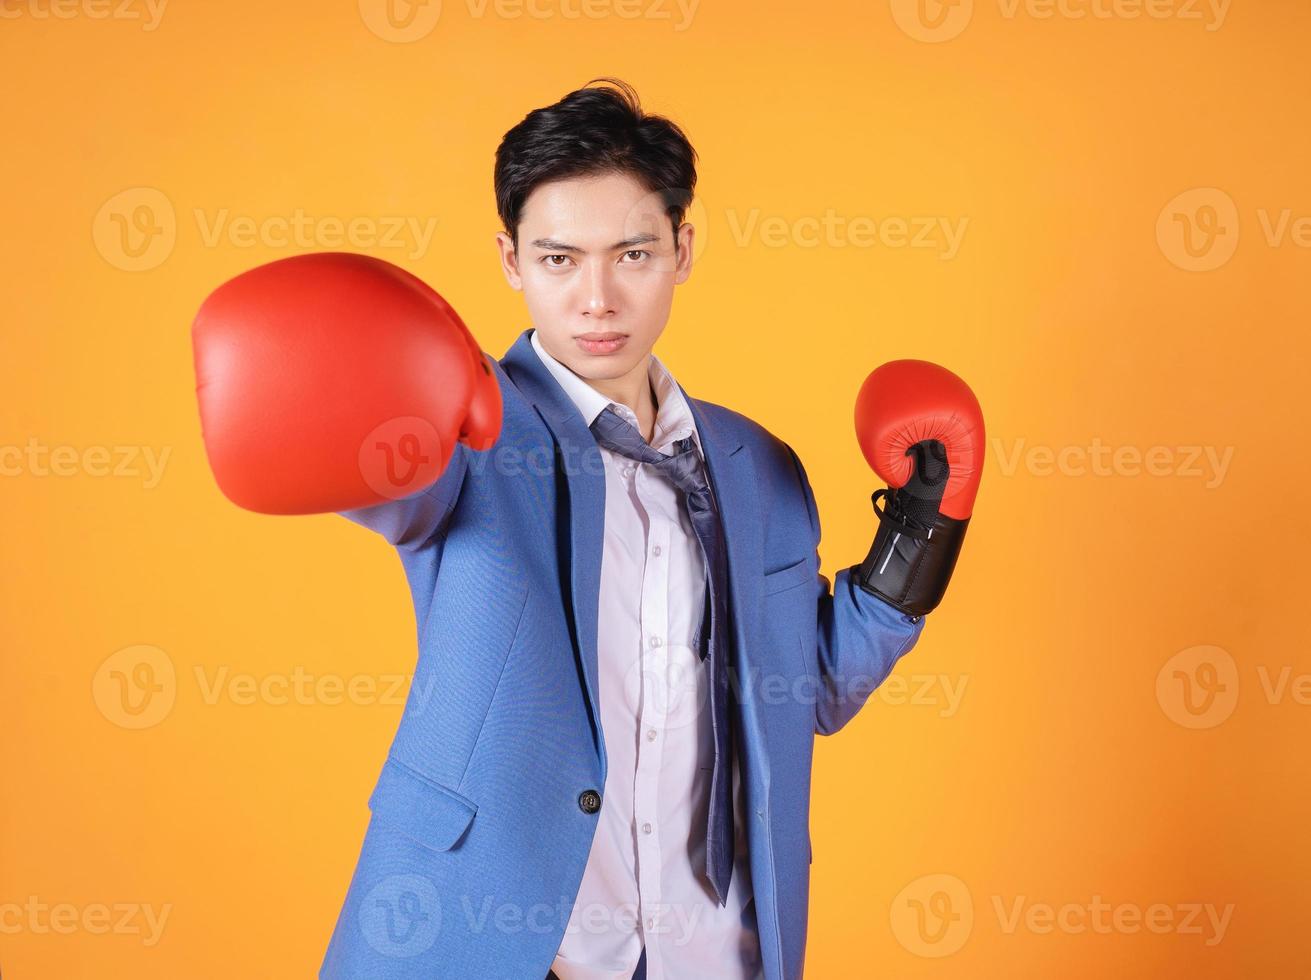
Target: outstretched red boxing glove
{"x": 332, "y": 381}
{"x": 921, "y": 429}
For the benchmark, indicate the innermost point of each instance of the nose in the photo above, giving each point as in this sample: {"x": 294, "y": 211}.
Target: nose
{"x": 599, "y": 291}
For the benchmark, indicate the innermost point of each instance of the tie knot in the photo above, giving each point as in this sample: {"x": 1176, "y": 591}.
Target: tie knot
{"x": 683, "y": 468}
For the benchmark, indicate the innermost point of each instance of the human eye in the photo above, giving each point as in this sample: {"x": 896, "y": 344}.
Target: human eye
{"x": 639, "y": 252}
{"x": 546, "y": 260}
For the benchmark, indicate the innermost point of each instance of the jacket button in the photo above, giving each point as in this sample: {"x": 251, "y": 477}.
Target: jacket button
{"x": 589, "y": 801}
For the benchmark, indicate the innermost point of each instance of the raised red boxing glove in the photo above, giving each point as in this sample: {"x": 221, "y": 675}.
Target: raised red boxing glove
{"x": 331, "y": 381}
{"x": 921, "y": 429}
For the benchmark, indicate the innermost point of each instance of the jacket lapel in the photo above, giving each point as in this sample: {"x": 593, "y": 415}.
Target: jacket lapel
{"x": 578, "y": 455}
{"x": 728, "y": 464}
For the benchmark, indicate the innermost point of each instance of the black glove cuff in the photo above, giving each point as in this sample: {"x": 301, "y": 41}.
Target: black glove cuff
{"x": 910, "y": 562}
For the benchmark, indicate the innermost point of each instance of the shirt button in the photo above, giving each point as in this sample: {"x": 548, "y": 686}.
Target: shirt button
{"x": 646, "y": 828}
{"x": 656, "y": 551}
{"x": 650, "y": 923}
{"x": 655, "y": 641}
{"x": 650, "y": 734}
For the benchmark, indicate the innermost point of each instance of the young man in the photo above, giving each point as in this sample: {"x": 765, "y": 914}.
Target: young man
{"x": 596, "y": 242}
{"x": 626, "y": 647}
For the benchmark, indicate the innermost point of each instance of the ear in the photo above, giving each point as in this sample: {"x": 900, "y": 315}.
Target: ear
{"x": 683, "y": 253}
{"x": 509, "y": 260}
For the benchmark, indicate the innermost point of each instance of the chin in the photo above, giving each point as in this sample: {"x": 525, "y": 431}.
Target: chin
{"x": 601, "y": 368}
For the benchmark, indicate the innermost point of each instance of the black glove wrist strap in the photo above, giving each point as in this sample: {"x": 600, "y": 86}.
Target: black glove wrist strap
{"x": 911, "y": 560}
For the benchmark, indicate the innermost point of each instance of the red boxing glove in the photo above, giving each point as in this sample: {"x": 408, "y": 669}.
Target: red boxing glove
{"x": 332, "y": 381}
{"x": 921, "y": 429}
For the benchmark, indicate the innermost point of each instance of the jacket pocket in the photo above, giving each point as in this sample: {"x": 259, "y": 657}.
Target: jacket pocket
{"x": 434, "y": 815}
{"x": 790, "y": 577}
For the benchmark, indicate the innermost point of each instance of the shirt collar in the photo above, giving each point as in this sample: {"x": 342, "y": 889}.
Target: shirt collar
{"x": 673, "y": 415}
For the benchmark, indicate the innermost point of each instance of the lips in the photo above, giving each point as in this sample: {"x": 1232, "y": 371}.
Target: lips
{"x": 601, "y": 342}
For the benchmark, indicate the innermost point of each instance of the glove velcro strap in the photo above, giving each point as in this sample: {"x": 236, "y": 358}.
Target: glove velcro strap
{"x": 909, "y": 564}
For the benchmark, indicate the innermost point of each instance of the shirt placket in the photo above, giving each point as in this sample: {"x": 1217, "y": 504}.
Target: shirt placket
{"x": 655, "y": 703}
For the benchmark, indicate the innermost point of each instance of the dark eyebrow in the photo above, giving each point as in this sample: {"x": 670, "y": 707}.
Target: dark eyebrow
{"x": 551, "y": 245}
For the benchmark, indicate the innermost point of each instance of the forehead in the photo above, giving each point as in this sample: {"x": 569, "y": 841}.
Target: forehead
{"x": 592, "y": 211}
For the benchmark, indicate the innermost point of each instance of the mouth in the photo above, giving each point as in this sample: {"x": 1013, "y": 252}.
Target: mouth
{"x": 601, "y": 342}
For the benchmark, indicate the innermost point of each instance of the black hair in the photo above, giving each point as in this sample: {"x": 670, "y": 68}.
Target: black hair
{"x": 594, "y": 131}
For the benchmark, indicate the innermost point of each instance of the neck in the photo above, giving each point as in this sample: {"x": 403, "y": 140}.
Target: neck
{"x": 634, "y": 390}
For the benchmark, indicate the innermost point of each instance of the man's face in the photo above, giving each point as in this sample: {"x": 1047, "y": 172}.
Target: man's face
{"x": 597, "y": 264}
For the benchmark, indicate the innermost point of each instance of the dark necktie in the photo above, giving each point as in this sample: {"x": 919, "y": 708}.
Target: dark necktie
{"x": 686, "y": 471}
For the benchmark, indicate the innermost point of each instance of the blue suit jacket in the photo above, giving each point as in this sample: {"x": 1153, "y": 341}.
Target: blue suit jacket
{"x": 477, "y": 841}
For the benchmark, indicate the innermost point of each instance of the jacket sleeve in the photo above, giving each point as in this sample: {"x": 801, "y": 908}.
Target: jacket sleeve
{"x": 410, "y": 522}
{"x": 860, "y": 637}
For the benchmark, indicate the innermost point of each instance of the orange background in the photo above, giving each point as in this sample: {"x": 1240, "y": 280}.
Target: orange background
{"x": 1074, "y": 307}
